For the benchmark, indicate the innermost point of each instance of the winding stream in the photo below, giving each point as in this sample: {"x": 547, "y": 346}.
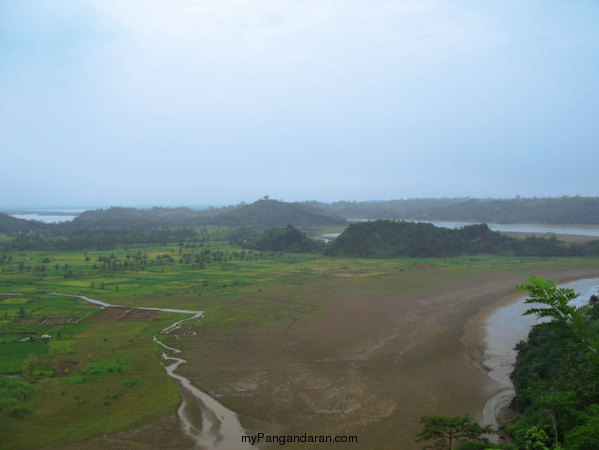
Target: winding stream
{"x": 505, "y": 328}
{"x": 208, "y": 423}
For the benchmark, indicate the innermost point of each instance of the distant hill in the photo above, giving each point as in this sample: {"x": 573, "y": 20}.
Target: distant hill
{"x": 262, "y": 213}
{"x": 9, "y": 224}
{"x": 385, "y": 209}
{"x": 265, "y": 213}
{"x": 136, "y": 218}
{"x": 562, "y": 211}
{"x": 284, "y": 239}
{"x": 558, "y": 211}
{"x": 390, "y": 239}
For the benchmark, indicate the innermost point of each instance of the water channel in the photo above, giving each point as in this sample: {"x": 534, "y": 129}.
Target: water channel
{"x": 203, "y": 419}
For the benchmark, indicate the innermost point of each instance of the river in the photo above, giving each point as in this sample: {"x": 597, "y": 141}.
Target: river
{"x": 203, "y": 419}
{"x": 504, "y": 329}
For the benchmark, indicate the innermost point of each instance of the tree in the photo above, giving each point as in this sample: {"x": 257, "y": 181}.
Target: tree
{"x": 556, "y": 372}
{"x": 586, "y": 435}
{"x": 558, "y": 308}
{"x": 447, "y": 431}
{"x": 536, "y": 439}
{"x": 546, "y": 293}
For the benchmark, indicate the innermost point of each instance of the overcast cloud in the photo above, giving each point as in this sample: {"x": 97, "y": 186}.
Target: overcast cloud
{"x": 196, "y": 102}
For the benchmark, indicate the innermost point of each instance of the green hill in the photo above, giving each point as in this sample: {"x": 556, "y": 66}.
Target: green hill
{"x": 265, "y": 213}
{"x": 262, "y": 213}
{"x": 387, "y": 239}
{"x": 9, "y": 224}
{"x": 284, "y": 239}
{"x": 137, "y": 218}
{"x": 386, "y": 209}
{"x": 562, "y": 210}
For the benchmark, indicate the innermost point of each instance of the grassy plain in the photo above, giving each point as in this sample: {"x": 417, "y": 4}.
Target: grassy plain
{"x": 101, "y": 376}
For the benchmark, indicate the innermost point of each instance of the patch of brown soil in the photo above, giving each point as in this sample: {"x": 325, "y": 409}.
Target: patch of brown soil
{"x": 117, "y": 313}
{"x": 64, "y": 367}
{"x": 55, "y": 319}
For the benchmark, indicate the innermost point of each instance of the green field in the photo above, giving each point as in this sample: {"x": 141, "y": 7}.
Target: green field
{"x": 96, "y": 377}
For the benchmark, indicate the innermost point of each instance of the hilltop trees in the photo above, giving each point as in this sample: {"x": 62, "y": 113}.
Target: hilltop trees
{"x": 287, "y": 239}
{"x": 388, "y": 239}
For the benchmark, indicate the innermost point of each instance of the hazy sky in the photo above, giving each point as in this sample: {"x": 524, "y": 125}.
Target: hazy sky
{"x": 195, "y": 102}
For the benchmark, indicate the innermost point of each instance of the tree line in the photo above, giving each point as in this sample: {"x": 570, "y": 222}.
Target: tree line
{"x": 391, "y": 239}
{"x": 563, "y": 210}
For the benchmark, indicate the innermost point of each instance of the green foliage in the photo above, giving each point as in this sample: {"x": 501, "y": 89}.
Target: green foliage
{"x": 130, "y": 382}
{"x": 536, "y": 439}
{"x": 563, "y": 210}
{"x": 547, "y": 293}
{"x": 9, "y": 224}
{"x": 269, "y": 213}
{"x": 107, "y": 228}
{"x": 287, "y": 239}
{"x": 586, "y": 435}
{"x": 392, "y": 209}
{"x": 15, "y": 397}
{"x": 558, "y": 308}
{"x": 106, "y": 367}
{"x": 13, "y": 355}
{"x": 448, "y": 431}
{"x": 385, "y": 238}
{"x": 557, "y": 373}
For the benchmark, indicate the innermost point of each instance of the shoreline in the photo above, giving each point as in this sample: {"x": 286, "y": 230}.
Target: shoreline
{"x": 483, "y": 357}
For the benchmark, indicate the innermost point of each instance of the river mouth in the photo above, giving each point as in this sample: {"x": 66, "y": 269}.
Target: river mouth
{"x": 504, "y": 329}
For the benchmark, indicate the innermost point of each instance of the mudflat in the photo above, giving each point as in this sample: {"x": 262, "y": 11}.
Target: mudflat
{"x": 383, "y": 352}
{"x": 377, "y": 352}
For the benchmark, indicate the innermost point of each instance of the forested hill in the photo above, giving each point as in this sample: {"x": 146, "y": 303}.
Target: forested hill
{"x": 386, "y": 238}
{"x": 117, "y": 217}
{"x": 563, "y": 210}
{"x": 275, "y": 213}
{"x": 261, "y": 214}
{"x": 386, "y": 209}
{"x": 9, "y": 224}
{"x": 284, "y": 239}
